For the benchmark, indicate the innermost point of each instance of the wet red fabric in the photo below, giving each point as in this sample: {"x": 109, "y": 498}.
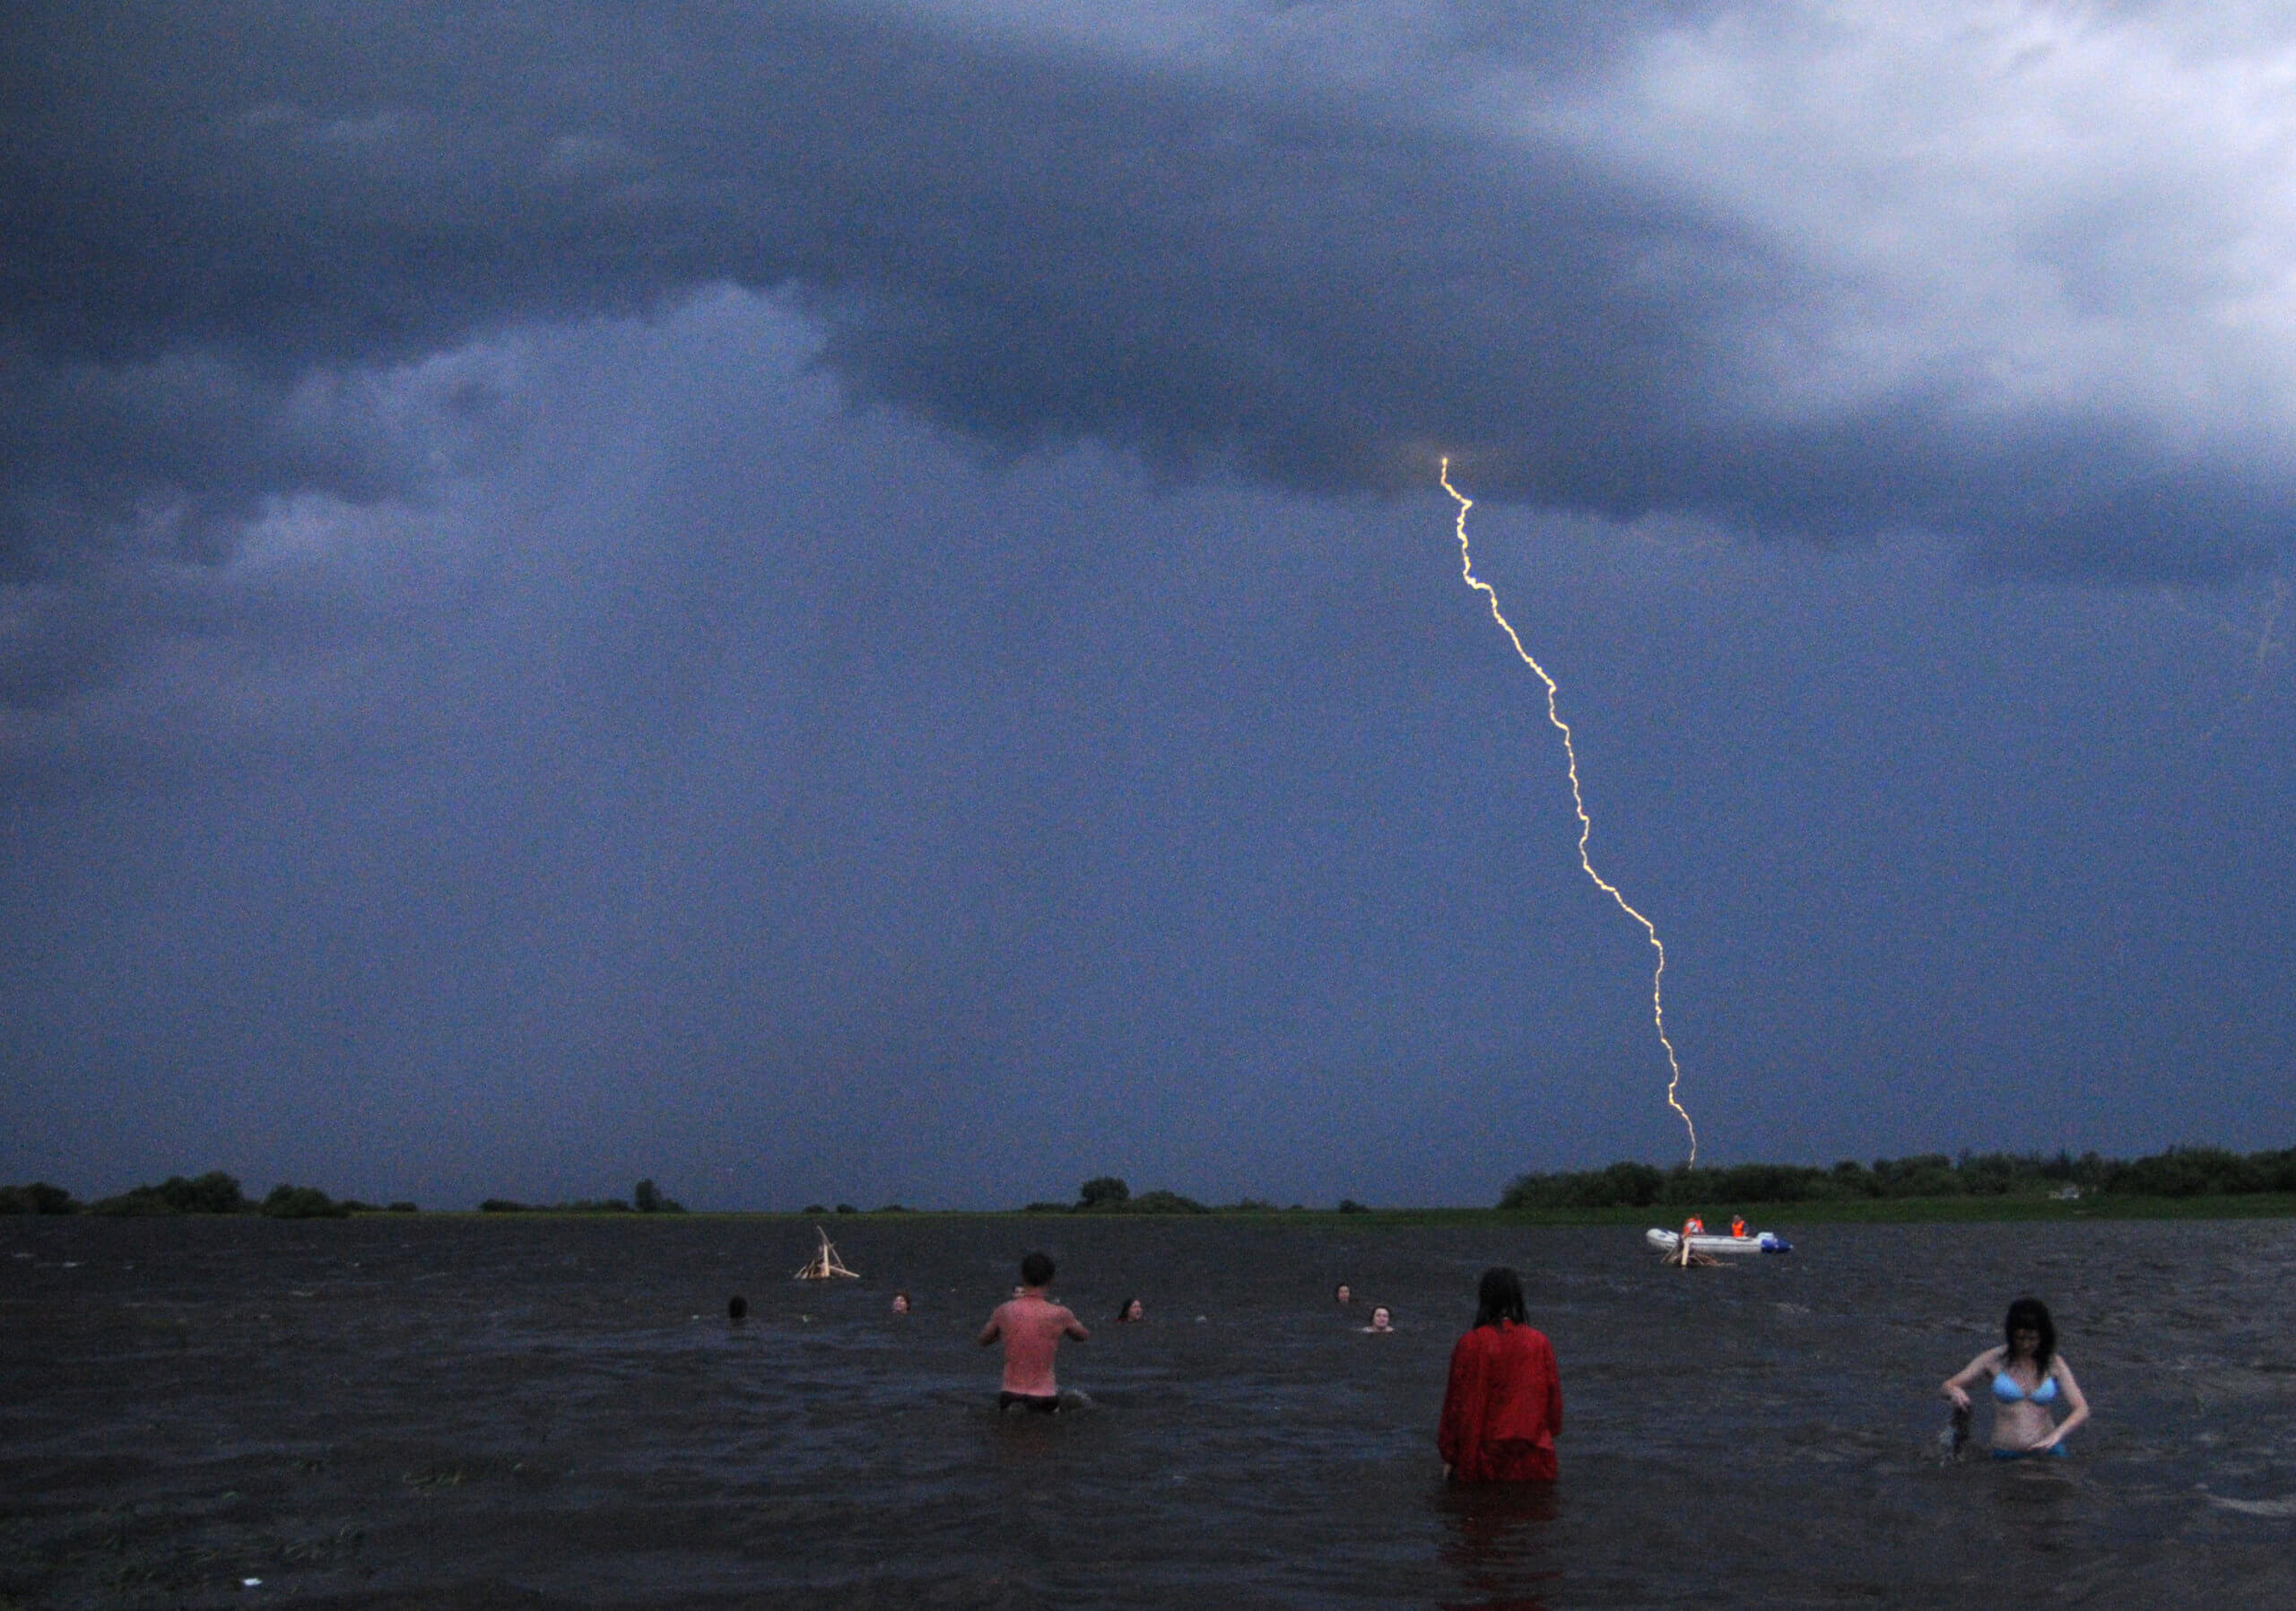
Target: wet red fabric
{"x": 1502, "y": 1407}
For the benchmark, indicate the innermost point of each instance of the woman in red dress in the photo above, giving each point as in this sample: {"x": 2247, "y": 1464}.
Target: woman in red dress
{"x": 1504, "y": 1406}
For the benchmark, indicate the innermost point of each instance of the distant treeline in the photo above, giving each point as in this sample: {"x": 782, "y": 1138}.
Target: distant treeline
{"x": 215, "y": 1192}
{"x": 646, "y": 1198}
{"x": 2181, "y": 1171}
{"x": 1106, "y": 1194}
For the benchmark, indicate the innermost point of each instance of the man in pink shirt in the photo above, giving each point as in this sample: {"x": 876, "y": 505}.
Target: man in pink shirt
{"x": 1031, "y": 1326}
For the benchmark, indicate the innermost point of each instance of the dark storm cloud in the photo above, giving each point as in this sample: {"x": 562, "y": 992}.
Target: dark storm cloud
{"x": 224, "y": 222}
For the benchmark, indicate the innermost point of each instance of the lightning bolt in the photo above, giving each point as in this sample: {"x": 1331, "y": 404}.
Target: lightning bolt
{"x": 1579, "y": 804}
{"x": 2267, "y": 643}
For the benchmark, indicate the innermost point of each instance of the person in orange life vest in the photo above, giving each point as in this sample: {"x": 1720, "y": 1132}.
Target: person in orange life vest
{"x": 1694, "y": 1227}
{"x": 1502, "y": 1405}
{"x": 1737, "y": 1224}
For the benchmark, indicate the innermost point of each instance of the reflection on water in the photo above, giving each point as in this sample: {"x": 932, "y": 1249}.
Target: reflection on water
{"x": 389, "y": 1412}
{"x": 1495, "y": 1547}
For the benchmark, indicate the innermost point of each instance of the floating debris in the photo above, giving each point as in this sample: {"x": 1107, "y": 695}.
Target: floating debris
{"x": 825, "y": 1265}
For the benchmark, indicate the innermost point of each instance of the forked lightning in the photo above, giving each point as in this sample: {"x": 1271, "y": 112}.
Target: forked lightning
{"x": 1579, "y": 804}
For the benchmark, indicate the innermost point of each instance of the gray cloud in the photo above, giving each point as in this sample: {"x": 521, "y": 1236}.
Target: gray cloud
{"x": 230, "y": 227}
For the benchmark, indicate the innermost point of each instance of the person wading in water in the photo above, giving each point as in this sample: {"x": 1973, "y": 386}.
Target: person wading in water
{"x": 1031, "y": 1326}
{"x": 2029, "y": 1377}
{"x": 1503, "y": 1403}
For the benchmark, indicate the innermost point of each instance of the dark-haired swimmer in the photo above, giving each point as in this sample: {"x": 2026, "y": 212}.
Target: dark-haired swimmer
{"x": 1382, "y": 1321}
{"x": 1341, "y": 1295}
{"x": 900, "y": 1303}
{"x": 1131, "y": 1311}
{"x": 1031, "y": 1326}
{"x": 2029, "y": 1376}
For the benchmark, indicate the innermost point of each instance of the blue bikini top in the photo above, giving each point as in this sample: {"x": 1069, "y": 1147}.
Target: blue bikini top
{"x": 2009, "y": 1392}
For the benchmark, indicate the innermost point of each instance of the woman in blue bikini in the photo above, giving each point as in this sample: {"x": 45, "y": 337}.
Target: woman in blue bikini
{"x": 2030, "y": 1376}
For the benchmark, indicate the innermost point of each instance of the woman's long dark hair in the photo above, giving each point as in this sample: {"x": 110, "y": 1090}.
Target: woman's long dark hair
{"x": 1500, "y": 1298}
{"x": 2029, "y": 1314}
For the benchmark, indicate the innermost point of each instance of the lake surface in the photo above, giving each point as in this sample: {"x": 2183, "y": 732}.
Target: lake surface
{"x": 400, "y": 1412}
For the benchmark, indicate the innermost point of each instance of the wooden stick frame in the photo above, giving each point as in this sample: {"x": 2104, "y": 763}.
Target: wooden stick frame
{"x": 825, "y": 1265}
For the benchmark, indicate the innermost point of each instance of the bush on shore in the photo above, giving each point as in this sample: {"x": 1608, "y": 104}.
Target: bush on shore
{"x": 38, "y": 1197}
{"x": 649, "y": 1199}
{"x": 1164, "y": 1202}
{"x": 304, "y": 1202}
{"x": 2179, "y": 1172}
{"x": 1106, "y": 1194}
{"x": 213, "y": 1192}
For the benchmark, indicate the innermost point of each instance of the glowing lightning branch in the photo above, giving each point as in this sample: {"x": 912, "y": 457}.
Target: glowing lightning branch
{"x": 1579, "y": 804}
{"x": 2265, "y": 647}
{"x": 2268, "y": 643}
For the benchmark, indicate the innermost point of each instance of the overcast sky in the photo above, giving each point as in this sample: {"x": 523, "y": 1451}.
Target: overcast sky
{"x": 850, "y": 602}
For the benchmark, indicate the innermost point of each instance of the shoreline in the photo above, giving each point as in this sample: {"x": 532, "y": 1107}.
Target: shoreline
{"x": 1785, "y": 1217}
{"x": 1911, "y": 1211}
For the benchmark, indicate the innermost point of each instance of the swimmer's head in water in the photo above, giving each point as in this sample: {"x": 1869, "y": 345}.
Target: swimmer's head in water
{"x": 737, "y": 1308}
{"x": 900, "y": 1303}
{"x": 1035, "y": 1270}
{"x": 1381, "y": 1321}
{"x": 1132, "y": 1310}
{"x": 2031, "y": 1315}
{"x": 1499, "y": 1297}
{"x": 1340, "y": 1294}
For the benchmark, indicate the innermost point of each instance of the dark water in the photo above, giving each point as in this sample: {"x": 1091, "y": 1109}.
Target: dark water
{"x": 429, "y": 1412}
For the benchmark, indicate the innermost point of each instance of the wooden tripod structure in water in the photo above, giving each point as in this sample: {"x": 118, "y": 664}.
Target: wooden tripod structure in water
{"x": 825, "y": 1265}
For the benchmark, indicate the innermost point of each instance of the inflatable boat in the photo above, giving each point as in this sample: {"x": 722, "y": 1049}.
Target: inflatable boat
{"x": 1668, "y": 1241}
